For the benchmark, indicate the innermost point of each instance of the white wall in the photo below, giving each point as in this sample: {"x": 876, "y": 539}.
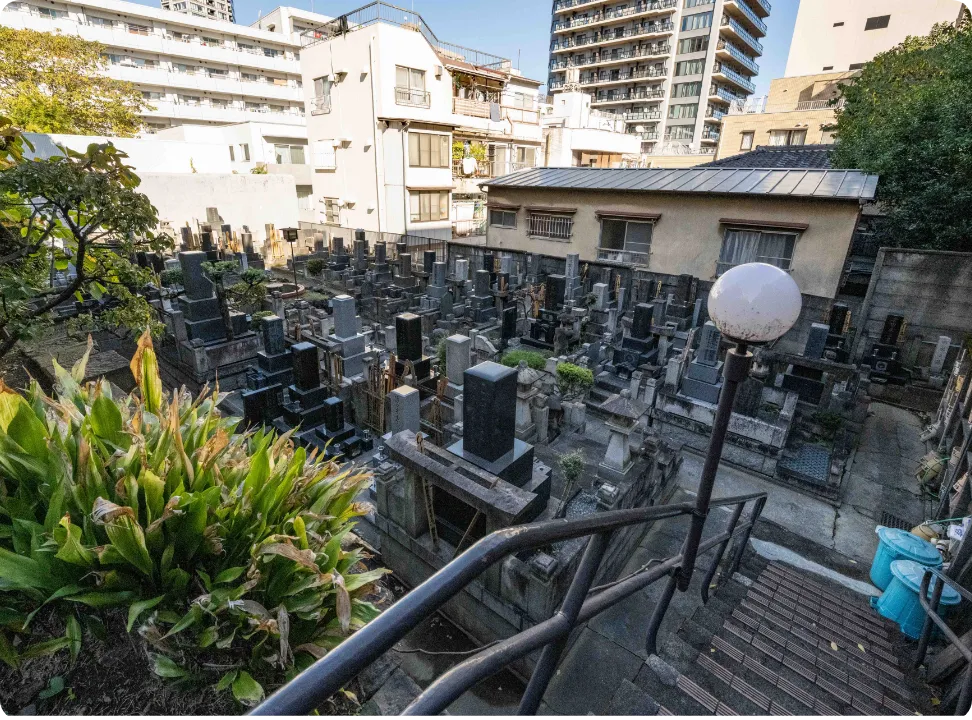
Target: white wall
{"x": 149, "y": 154}
{"x": 818, "y": 46}
{"x": 252, "y": 200}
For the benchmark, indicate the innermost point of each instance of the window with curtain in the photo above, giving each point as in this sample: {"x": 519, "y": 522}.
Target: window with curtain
{"x": 746, "y": 142}
{"x": 410, "y": 86}
{"x": 502, "y": 218}
{"x": 744, "y": 245}
{"x": 689, "y": 89}
{"x": 289, "y": 154}
{"x": 787, "y": 137}
{"x": 690, "y": 67}
{"x": 428, "y": 150}
{"x": 697, "y": 21}
{"x": 680, "y": 132}
{"x": 692, "y": 45}
{"x": 304, "y": 194}
{"x": 682, "y": 111}
{"x": 428, "y": 205}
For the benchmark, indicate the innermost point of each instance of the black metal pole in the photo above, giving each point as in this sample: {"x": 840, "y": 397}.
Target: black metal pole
{"x": 738, "y": 362}
{"x": 293, "y": 262}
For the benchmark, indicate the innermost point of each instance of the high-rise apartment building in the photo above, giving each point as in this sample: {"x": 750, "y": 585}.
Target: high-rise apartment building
{"x": 670, "y": 68}
{"x": 840, "y": 36}
{"x": 212, "y": 9}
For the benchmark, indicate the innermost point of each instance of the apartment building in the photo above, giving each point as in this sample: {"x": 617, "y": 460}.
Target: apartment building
{"x": 403, "y": 126}
{"x": 574, "y": 135}
{"x": 668, "y": 68}
{"x": 212, "y": 9}
{"x": 840, "y": 36}
{"x": 193, "y": 70}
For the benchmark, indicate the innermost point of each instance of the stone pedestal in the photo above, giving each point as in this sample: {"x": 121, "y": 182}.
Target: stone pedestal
{"x": 405, "y": 410}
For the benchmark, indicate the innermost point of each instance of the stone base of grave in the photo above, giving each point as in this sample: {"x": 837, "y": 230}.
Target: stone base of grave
{"x": 225, "y": 361}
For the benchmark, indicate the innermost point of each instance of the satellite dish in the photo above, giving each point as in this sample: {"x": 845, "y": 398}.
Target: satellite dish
{"x": 639, "y": 128}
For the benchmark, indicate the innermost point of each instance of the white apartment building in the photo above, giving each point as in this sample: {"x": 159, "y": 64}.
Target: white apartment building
{"x": 402, "y": 126}
{"x": 669, "y": 68}
{"x": 193, "y": 70}
{"x": 842, "y": 35}
{"x": 574, "y": 135}
{"x": 212, "y": 9}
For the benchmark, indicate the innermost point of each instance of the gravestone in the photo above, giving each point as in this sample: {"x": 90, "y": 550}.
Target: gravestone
{"x": 307, "y": 395}
{"x": 405, "y": 407}
{"x": 703, "y": 378}
{"x": 641, "y": 325}
{"x": 274, "y": 364}
{"x": 408, "y": 336}
{"x": 262, "y": 405}
{"x": 600, "y": 291}
{"x": 554, "y": 295}
{"x": 458, "y": 359}
{"x": 203, "y": 318}
{"x": 462, "y": 269}
{"x": 838, "y": 318}
{"x": 437, "y": 282}
{"x": 941, "y": 352}
{"x": 307, "y": 366}
{"x": 489, "y": 264}
{"x": 816, "y": 341}
{"x": 352, "y": 342}
{"x": 481, "y": 286}
{"x": 428, "y": 260}
{"x": 509, "y": 323}
{"x": 892, "y": 329}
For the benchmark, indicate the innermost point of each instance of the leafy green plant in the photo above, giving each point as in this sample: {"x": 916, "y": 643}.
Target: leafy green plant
{"x": 172, "y": 276}
{"x": 534, "y": 359}
{"x": 315, "y": 266}
{"x": 573, "y": 380}
{"x": 440, "y": 353}
{"x": 228, "y": 551}
{"x": 248, "y": 294}
{"x": 571, "y": 465}
{"x": 257, "y": 318}
{"x": 829, "y": 422}
{"x": 259, "y": 169}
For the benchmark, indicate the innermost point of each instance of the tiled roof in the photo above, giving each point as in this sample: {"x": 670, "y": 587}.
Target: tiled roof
{"x": 784, "y": 156}
{"x": 779, "y": 182}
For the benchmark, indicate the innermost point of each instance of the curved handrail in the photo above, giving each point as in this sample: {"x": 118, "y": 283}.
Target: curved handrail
{"x": 332, "y": 672}
{"x": 930, "y": 608}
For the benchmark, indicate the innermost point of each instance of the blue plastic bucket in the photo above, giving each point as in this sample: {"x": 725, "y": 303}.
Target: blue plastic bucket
{"x": 897, "y": 544}
{"x": 900, "y": 601}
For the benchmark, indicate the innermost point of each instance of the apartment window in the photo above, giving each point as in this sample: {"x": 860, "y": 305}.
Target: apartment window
{"x": 232, "y": 153}
{"x": 289, "y": 154}
{"x": 747, "y": 141}
{"x": 697, "y": 21}
{"x": 325, "y": 156}
{"x": 787, "y": 137}
{"x": 219, "y": 103}
{"x": 676, "y": 112}
{"x": 547, "y": 225}
{"x": 51, "y": 14}
{"x": 322, "y": 96}
{"x": 689, "y": 67}
{"x": 680, "y": 132}
{"x": 270, "y": 52}
{"x": 276, "y": 108}
{"x": 428, "y": 206}
{"x": 332, "y": 211}
{"x": 855, "y": 66}
{"x": 692, "y": 45}
{"x": 253, "y": 106}
{"x": 410, "y": 87}
{"x": 877, "y": 23}
{"x": 697, "y": 3}
{"x": 838, "y": 24}
{"x": 625, "y": 240}
{"x": 828, "y": 67}
{"x": 251, "y": 77}
{"x": 215, "y": 73}
{"x": 304, "y": 194}
{"x": 502, "y": 218}
{"x": 211, "y": 41}
{"x": 151, "y": 95}
{"x": 189, "y": 99}
{"x": 525, "y": 157}
{"x": 139, "y": 29}
{"x": 101, "y": 22}
{"x": 246, "y": 151}
{"x": 740, "y": 245}
{"x": 691, "y": 89}
{"x": 428, "y": 150}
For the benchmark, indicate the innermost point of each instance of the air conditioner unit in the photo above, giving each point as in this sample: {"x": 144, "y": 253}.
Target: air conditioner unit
{"x": 438, "y": 72}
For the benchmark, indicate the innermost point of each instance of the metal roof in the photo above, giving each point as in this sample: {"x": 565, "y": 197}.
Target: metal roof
{"x": 812, "y": 183}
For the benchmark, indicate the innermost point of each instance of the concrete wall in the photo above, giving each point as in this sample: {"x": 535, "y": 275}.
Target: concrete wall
{"x": 252, "y": 200}
{"x": 933, "y": 290}
{"x": 818, "y": 44}
{"x": 688, "y": 236}
{"x": 733, "y": 127}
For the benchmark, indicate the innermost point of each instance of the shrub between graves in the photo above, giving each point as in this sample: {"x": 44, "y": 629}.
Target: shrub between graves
{"x": 226, "y": 550}
{"x": 535, "y": 360}
{"x": 573, "y": 380}
{"x": 315, "y": 266}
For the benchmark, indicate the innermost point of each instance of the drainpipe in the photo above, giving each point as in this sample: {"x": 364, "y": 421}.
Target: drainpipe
{"x": 374, "y": 127}
{"x": 404, "y": 190}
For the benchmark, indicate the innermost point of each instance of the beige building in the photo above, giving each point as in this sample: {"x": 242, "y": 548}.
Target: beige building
{"x": 797, "y": 111}
{"x": 842, "y": 35}
{"x": 695, "y": 221}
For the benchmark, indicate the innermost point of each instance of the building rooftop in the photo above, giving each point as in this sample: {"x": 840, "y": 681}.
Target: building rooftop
{"x": 840, "y": 184}
{"x": 815, "y": 157}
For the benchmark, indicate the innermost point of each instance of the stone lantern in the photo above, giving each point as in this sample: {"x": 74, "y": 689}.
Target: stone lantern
{"x": 526, "y": 390}
{"x": 622, "y": 414}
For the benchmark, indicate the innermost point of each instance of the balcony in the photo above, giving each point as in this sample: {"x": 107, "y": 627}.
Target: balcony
{"x": 612, "y": 37}
{"x": 320, "y": 105}
{"x": 412, "y": 98}
{"x": 710, "y": 135}
{"x": 642, "y": 116}
{"x": 616, "y": 56}
{"x": 763, "y": 7}
{"x": 738, "y": 32}
{"x": 714, "y": 114}
{"x": 469, "y": 228}
{"x": 485, "y": 168}
{"x": 721, "y": 94}
{"x": 628, "y": 97}
{"x": 605, "y": 79}
{"x": 732, "y": 76}
{"x": 726, "y": 48}
{"x": 740, "y": 7}
{"x": 564, "y": 5}
{"x": 609, "y": 16}
{"x": 481, "y": 109}
{"x": 213, "y": 113}
{"x": 647, "y": 136}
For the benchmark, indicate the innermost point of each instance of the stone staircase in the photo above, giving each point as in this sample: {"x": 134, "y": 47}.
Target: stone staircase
{"x": 776, "y": 641}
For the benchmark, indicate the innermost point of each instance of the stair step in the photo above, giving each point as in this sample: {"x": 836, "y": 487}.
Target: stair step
{"x": 661, "y": 682}
{"x": 827, "y": 589}
{"x": 815, "y": 612}
{"x": 718, "y": 680}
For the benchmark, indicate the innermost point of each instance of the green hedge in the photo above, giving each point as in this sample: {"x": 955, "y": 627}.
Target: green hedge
{"x": 534, "y": 359}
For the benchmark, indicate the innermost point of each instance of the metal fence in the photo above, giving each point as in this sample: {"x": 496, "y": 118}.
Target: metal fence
{"x": 581, "y": 603}
{"x": 557, "y": 227}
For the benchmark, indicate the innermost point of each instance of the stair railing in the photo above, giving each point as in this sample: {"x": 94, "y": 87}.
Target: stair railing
{"x": 337, "y": 668}
{"x": 931, "y": 608}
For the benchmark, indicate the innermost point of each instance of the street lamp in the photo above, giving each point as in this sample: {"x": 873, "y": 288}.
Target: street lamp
{"x": 751, "y": 304}
{"x": 290, "y": 235}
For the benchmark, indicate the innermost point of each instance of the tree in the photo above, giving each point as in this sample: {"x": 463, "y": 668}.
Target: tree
{"x": 907, "y": 119}
{"x": 55, "y": 83}
{"x": 248, "y": 294}
{"x": 74, "y": 209}
{"x": 217, "y": 272}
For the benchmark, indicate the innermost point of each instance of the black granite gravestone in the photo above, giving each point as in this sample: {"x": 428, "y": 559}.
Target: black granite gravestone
{"x": 408, "y": 336}
{"x": 509, "y": 322}
{"x": 838, "y": 318}
{"x": 892, "y": 329}
{"x": 428, "y": 260}
{"x": 556, "y": 286}
{"x": 307, "y": 367}
{"x": 641, "y": 325}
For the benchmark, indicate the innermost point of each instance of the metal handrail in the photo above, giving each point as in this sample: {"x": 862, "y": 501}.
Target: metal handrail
{"x": 931, "y": 616}
{"x": 332, "y": 672}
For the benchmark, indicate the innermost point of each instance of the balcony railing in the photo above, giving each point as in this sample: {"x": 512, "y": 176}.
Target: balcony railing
{"x": 733, "y": 25}
{"x": 486, "y": 168}
{"x": 629, "y": 96}
{"x": 646, "y": 136}
{"x": 412, "y": 98}
{"x": 732, "y": 75}
{"x": 710, "y": 135}
{"x": 641, "y": 115}
{"x": 469, "y": 228}
{"x": 599, "y": 38}
{"x": 756, "y": 105}
{"x": 623, "y": 77}
{"x": 749, "y": 14}
{"x": 718, "y": 92}
{"x": 472, "y": 108}
{"x": 320, "y": 105}
{"x": 624, "y": 257}
{"x": 738, "y": 55}
{"x": 651, "y": 50}
{"x": 712, "y": 113}
{"x": 611, "y": 15}
{"x": 765, "y": 4}
{"x": 555, "y": 227}
{"x": 653, "y": 5}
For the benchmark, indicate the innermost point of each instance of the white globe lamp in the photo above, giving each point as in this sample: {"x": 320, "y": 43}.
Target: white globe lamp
{"x": 754, "y": 303}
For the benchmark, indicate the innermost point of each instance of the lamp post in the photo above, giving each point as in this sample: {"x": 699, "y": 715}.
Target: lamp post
{"x": 751, "y": 304}
{"x": 290, "y": 235}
